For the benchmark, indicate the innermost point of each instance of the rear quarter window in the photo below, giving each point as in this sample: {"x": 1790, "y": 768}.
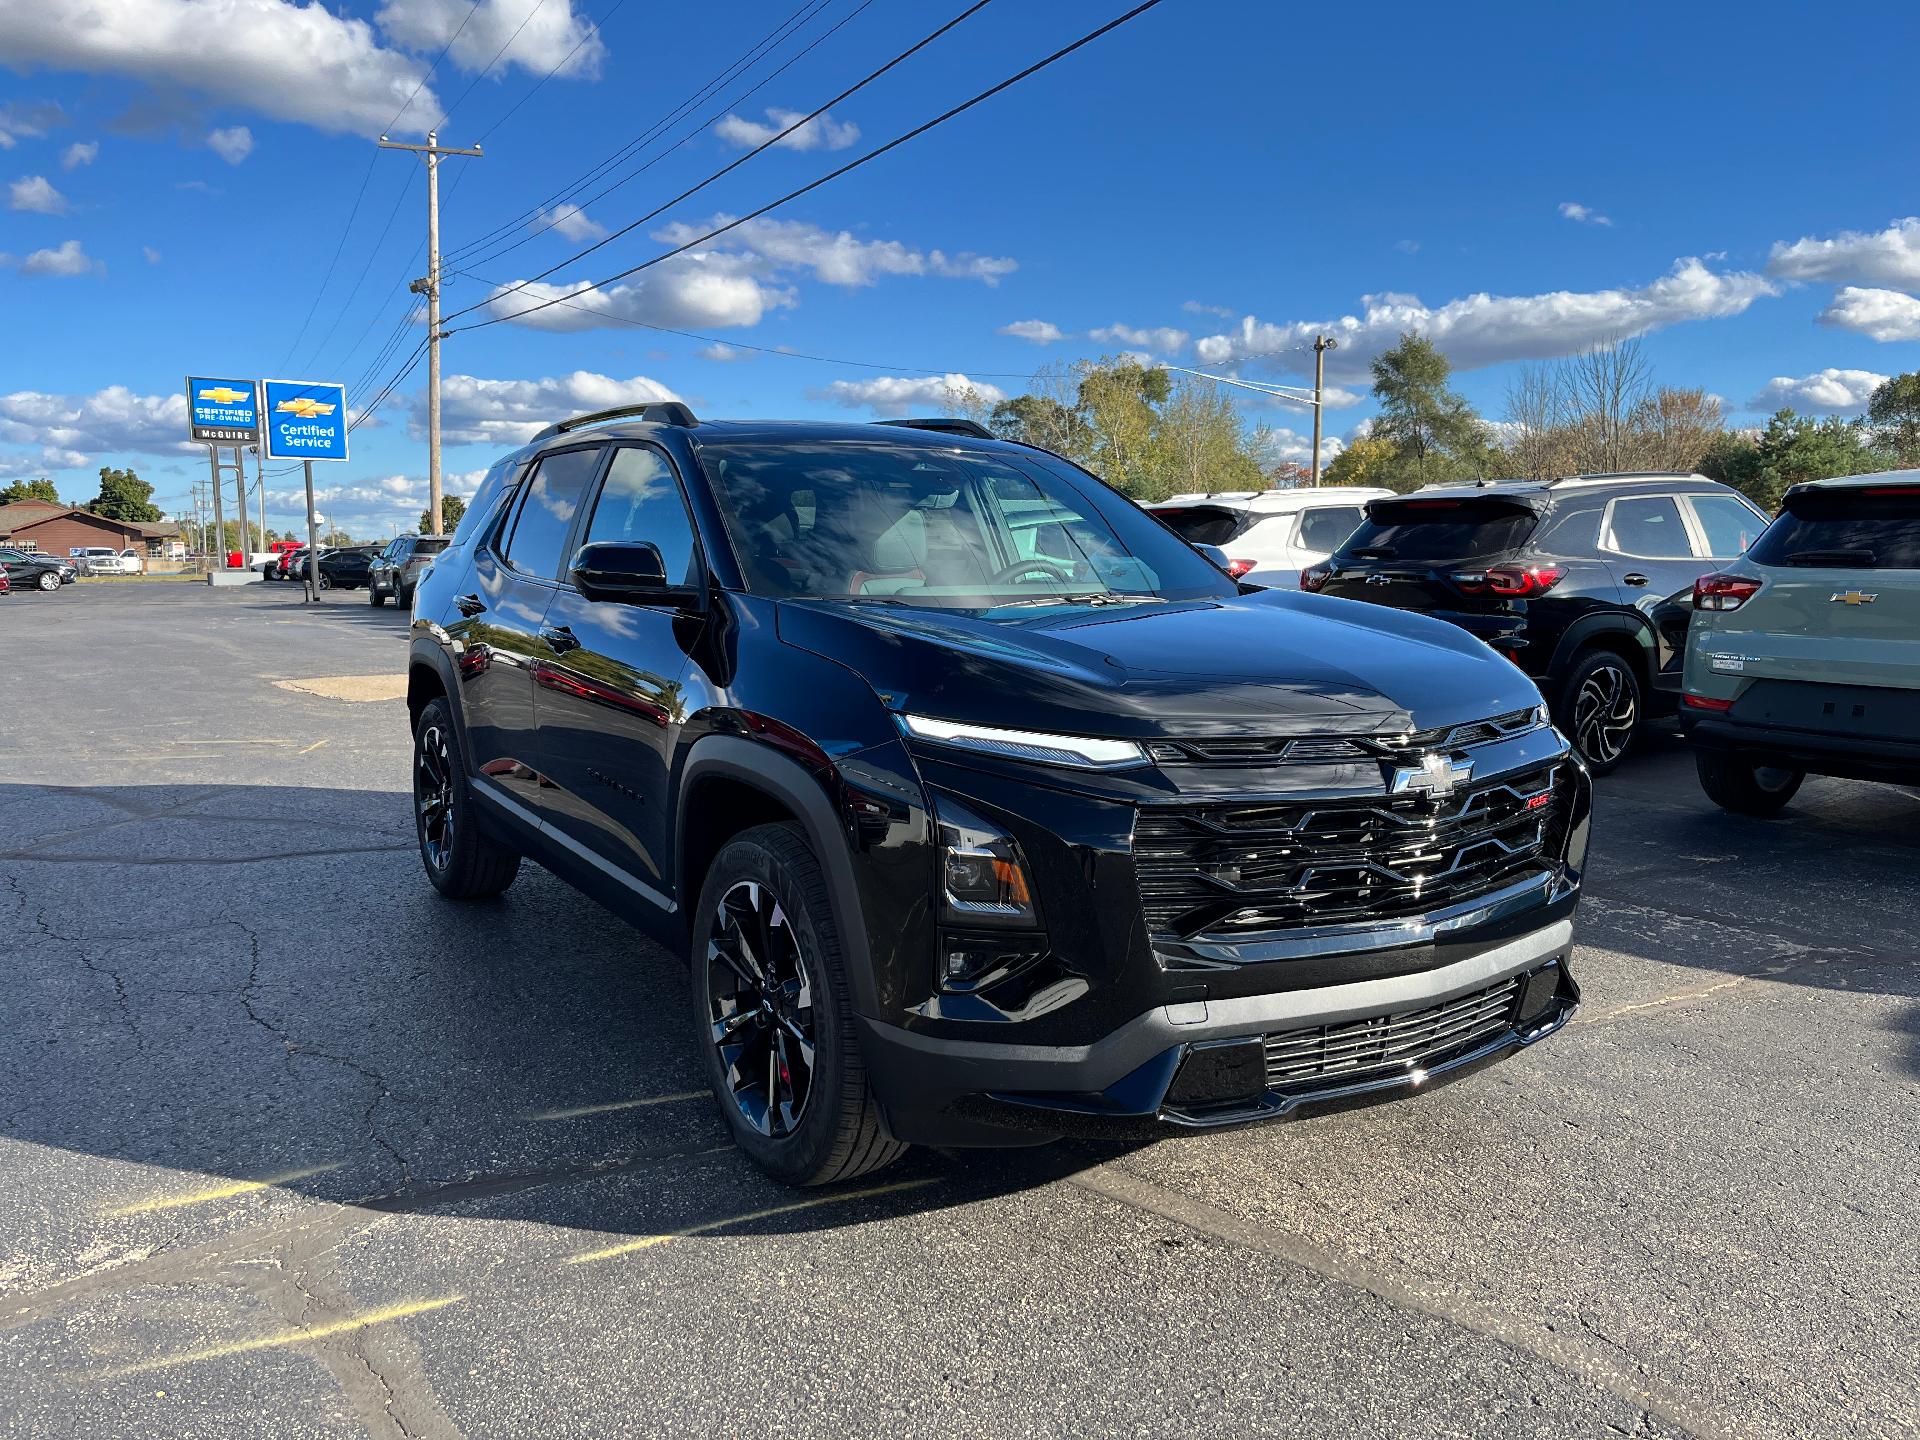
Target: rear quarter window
{"x": 1863, "y": 528}
{"x": 1325, "y": 526}
{"x": 1443, "y": 530}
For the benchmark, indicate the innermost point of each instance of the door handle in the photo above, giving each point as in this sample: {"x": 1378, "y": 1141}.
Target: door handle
{"x": 560, "y": 638}
{"x": 1634, "y": 577}
{"x": 469, "y": 605}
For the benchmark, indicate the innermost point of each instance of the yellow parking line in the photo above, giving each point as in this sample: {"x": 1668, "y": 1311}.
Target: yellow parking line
{"x": 222, "y": 1192}
{"x": 286, "y": 1337}
{"x": 311, "y": 748}
{"x": 610, "y": 1106}
{"x": 628, "y": 1247}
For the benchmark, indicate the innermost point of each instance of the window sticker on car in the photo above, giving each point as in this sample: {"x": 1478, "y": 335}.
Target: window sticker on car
{"x": 1727, "y": 664}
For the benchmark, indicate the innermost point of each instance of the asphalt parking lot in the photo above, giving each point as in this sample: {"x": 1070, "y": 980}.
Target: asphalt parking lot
{"x": 291, "y": 1147}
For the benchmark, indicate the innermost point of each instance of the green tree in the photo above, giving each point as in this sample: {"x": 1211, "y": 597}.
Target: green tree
{"x": 1368, "y": 460}
{"x": 1791, "y": 449}
{"x": 41, "y": 489}
{"x": 1435, "y": 433}
{"x": 1894, "y": 412}
{"x": 123, "y": 496}
{"x": 452, "y": 507}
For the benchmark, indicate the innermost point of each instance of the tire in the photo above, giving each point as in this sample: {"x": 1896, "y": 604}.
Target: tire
{"x": 326, "y": 581}
{"x": 374, "y": 597}
{"x": 461, "y": 860}
{"x": 48, "y": 581}
{"x": 766, "y": 883}
{"x": 1600, "y": 708}
{"x": 1735, "y": 783}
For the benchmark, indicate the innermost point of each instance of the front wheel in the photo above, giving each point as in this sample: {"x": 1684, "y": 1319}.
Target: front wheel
{"x": 374, "y": 596}
{"x": 462, "y": 860}
{"x": 774, "y": 1015}
{"x": 49, "y": 581}
{"x": 1739, "y": 785}
{"x": 1600, "y": 708}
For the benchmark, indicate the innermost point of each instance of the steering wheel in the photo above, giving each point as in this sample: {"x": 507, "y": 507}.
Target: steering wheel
{"x": 1036, "y": 566}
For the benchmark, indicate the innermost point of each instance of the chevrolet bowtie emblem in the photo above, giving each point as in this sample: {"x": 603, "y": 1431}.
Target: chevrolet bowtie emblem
{"x": 224, "y": 394}
{"x": 1435, "y": 776}
{"x": 1853, "y": 597}
{"x": 303, "y": 407}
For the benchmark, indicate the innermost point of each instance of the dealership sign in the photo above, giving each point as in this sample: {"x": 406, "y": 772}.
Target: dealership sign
{"x": 306, "y": 420}
{"x": 223, "y": 412}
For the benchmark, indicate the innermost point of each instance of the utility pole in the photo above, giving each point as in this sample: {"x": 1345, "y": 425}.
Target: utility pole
{"x": 430, "y": 287}
{"x": 1321, "y": 344}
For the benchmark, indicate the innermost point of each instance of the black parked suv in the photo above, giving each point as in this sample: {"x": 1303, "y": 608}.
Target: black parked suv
{"x": 395, "y": 571}
{"x": 987, "y": 809}
{"x": 1564, "y": 577}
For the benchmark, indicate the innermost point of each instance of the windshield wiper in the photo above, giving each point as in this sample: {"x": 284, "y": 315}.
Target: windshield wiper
{"x": 1844, "y": 558}
{"x": 1092, "y": 597}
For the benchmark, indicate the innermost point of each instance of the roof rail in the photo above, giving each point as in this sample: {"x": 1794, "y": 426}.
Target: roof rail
{"x": 664, "y": 412}
{"x": 945, "y": 425}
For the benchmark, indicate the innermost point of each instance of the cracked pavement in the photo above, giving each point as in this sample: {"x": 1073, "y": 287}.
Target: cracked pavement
{"x": 290, "y": 1147}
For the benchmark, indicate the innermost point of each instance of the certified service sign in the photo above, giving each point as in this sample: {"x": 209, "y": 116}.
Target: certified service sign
{"x": 306, "y": 420}
{"x": 223, "y": 412}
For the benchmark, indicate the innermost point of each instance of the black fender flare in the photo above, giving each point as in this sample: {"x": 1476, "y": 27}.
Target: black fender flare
{"x": 1584, "y": 631}
{"x": 425, "y": 653}
{"x": 802, "y": 793}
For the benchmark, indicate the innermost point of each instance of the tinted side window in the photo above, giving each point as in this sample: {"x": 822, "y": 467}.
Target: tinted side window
{"x": 485, "y": 503}
{"x": 640, "y": 502}
{"x": 1730, "y": 526}
{"x": 1325, "y": 528}
{"x": 553, "y": 494}
{"x": 1649, "y": 526}
{"x": 1573, "y": 532}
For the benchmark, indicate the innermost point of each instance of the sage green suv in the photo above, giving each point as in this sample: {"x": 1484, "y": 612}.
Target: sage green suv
{"x": 1803, "y": 656}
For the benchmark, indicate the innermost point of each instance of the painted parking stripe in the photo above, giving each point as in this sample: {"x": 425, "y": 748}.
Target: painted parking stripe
{"x": 612, "y": 1105}
{"x": 645, "y": 1242}
{"x": 287, "y": 1337}
{"x": 221, "y": 1192}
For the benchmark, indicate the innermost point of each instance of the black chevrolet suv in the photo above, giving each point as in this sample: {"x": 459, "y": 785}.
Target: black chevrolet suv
{"x": 986, "y": 808}
{"x": 1567, "y": 578}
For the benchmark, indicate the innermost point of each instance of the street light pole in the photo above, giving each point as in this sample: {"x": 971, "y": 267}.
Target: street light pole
{"x": 1321, "y": 344}
{"x": 430, "y": 287}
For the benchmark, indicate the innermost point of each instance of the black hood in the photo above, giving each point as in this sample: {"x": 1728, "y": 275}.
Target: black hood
{"x": 1270, "y": 663}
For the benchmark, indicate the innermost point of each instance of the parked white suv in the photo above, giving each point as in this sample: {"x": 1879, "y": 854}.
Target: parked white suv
{"x": 1270, "y": 536}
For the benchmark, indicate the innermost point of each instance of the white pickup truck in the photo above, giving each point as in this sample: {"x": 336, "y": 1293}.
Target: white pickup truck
{"x": 99, "y": 560}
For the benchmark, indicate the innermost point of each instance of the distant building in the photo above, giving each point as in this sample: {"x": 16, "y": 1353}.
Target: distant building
{"x": 56, "y": 529}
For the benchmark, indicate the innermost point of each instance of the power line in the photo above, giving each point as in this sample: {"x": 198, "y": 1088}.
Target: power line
{"x": 426, "y": 74}
{"x": 593, "y": 29}
{"x": 447, "y": 114}
{"x": 830, "y": 176}
{"x": 340, "y": 311}
{"x": 760, "y": 149}
{"x": 806, "y": 11}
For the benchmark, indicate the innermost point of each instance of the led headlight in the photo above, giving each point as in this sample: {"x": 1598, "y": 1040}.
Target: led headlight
{"x": 1080, "y": 751}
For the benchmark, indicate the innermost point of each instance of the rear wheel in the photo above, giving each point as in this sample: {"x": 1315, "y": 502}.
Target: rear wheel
{"x": 1737, "y": 784}
{"x": 775, "y": 1018}
{"x": 462, "y": 860}
{"x": 1600, "y": 709}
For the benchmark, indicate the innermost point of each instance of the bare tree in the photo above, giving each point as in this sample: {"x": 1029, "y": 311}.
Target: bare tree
{"x": 1536, "y": 422}
{"x": 1673, "y": 429}
{"x": 1601, "y": 388}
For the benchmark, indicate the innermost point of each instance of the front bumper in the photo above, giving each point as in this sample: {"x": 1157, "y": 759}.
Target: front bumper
{"x": 962, "y": 1092}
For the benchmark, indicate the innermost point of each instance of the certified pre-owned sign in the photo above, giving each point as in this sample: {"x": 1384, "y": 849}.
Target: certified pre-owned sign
{"x": 223, "y": 412}
{"x": 306, "y": 420}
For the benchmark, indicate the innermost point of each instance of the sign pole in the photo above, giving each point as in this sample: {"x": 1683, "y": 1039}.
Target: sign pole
{"x": 219, "y": 517}
{"x": 260, "y": 478}
{"x": 313, "y": 540}
{"x": 240, "y": 497}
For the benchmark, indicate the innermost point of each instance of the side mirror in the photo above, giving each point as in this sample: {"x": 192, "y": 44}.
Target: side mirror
{"x": 1215, "y": 554}
{"x": 629, "y": 574}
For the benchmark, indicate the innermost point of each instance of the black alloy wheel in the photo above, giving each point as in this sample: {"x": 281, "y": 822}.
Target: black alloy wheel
{"x": 433, "y": 796}
{"x": 760, "y": 996}
{"x": 462, "y": 860}
{"x": 1600, "y": 710}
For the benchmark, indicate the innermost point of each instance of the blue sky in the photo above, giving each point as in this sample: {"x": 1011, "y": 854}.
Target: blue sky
{"x": 1207, "y": 185}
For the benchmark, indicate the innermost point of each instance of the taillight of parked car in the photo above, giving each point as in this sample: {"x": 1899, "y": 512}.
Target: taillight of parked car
{"x": 1237, "y": 568}
{"x": 1314, "y": 578}
{"x": 1509, "y": 582}
{"x": 1723, "y": 592}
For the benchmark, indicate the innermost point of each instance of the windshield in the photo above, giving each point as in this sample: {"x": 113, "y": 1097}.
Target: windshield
{"x": 955, "y": 529}
{"x": 1443, "y": 530}
{"x": 1862, "y": 527}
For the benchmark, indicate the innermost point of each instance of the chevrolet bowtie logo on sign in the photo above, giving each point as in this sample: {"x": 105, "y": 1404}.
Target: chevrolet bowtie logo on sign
{"x": 221, "y": 411}
{"x": 224, "y": 394}
{"x": 1435, "y": 776}
{"x": 306, "y": 419}
{"x": 304, "y": 407}
{"x": 1853, "y": 597}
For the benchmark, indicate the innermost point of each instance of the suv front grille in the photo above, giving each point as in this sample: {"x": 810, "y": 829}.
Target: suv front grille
{"x": 1240, "y": 868}
{"x": 1407, "y": 1041}
{"x": 1301, "y": 749}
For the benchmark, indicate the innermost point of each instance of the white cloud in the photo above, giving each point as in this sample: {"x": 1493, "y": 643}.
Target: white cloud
{"x": 1878, "y": 314}
{"x": 289, "y": 61}
{"x": 36, "y": 194}
{"x": 722, "y": 354}
{"x": 153, "y": 255}
{"x": 506, "y": 413}
{"x": 1888, "y": 257}
{"x": 1197, "y": 307}
{"x": 65, "y": 259}
{"x": 548, "y": 35}
{"x": 837, "y": 257}
{"x": 1835, "y": 392}
{"x": 571, "y": 221}
{"x": 822, "y": 132}
{"x": 1284, "y": 444}
{"x": 893, "y": 394}
{"x": 1484, "y": 329}
{"x": 1163, "y": 338}
{"x": 1582, "y": 214}
{"x": 26, "y": 120}
{"x": 232, "y": 144}
{"x": 692, "y": 291}
{"x": 370, "y": 507}
{"x": 1040, "y": 332}
{"x": 1405, "y": 247}
{"x": 72, "y": 429}
{"x": 81, "y": 152}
